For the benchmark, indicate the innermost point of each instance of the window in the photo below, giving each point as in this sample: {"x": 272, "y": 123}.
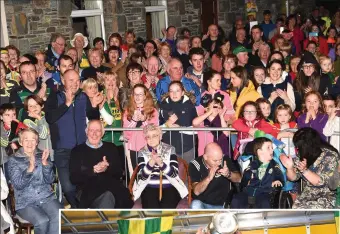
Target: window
{"x": 92, "y": 11}
{"x": 158, "y": 12}
{"x": 4, "y": 33}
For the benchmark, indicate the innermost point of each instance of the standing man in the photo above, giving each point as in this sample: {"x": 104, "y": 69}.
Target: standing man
{"x": 67, "y": 111}
{"x": 55, "y": 49}
{"x": 212, "y": 43}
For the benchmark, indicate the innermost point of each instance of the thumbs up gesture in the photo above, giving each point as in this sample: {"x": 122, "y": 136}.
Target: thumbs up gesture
{"x": 225, "y": 170}
{"x": 101, "y": 166}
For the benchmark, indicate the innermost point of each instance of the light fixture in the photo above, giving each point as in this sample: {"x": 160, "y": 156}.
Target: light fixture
{"x": 222, "y": 223}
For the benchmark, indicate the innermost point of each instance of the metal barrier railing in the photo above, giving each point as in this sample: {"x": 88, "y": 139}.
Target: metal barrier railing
{"x": 194, "y": 131}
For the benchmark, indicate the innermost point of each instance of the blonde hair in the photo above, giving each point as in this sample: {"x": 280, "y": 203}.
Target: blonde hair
{"x": 110, "y": 73}
{"x": 91, "y": 51}
{"x": 286, "y": 47}
{"x": 90, "y": 82}
{"x": 324, "y": 58}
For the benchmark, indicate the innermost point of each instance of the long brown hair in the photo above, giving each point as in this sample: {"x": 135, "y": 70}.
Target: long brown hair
{"x": 148, "y": 106}
{"x": 321, "y": 108}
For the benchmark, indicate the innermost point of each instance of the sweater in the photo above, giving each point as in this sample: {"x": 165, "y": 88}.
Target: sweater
{"x": 318, "y": 123}
{"x": 90, "y": 184}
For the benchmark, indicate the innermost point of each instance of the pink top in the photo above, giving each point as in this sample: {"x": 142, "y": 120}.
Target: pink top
{"x": 205, "y": 137}
{"x": 136, "y": 139}
{"x": 216, "y": 63}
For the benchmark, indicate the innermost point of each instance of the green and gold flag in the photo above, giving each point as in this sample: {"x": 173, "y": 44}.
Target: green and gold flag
{"x": 162, "y": 225}
{"x": 336, "y": 217}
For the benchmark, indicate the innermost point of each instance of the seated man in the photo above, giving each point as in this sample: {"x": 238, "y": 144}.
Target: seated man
{"x": 210, "y": 176}
{"x": 96, "y": 170}
{"x": 259, "y": 178}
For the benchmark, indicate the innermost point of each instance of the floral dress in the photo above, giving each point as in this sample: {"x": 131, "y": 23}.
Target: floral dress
{"x": 320, "y": 196}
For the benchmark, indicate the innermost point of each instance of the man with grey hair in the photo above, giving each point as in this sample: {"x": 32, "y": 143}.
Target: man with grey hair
{"x": 98, "y": 175}
{"x": 182, "y": 51}
{"x": 54, "y": 50}
{"x": 261, "y": 57}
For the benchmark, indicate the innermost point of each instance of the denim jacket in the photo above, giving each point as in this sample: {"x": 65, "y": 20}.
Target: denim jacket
{"x": 30, "y": 187}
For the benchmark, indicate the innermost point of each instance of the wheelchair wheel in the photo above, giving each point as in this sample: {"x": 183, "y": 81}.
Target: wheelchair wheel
{"x": 285, "y": 200}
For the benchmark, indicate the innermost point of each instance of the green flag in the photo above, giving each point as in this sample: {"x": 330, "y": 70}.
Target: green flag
{"x": 162, "y": 225}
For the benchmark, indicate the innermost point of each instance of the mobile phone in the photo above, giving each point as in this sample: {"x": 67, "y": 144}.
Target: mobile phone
{"x": 313, "y": 34}
{"x": 281, "y": 29}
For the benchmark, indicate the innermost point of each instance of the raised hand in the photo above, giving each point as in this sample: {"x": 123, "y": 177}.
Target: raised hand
{"x": 69, "y": 96}
{"x": 225, "y": 170}
{"x": 276, "y": 183}
{"x": 302, "y": 165}
{"x": 44, "y": 157}
{"x": 212, "y": 172}
{"x": 97, "y": 99}
{"x": 42, "y": 91}
{"x": 287, "y": 161}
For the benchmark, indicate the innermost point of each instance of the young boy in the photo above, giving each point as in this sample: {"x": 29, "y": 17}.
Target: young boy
{"x": 10, "y": 127}
{"x": 259, "y": 179}
{"x": 265, "y": 107}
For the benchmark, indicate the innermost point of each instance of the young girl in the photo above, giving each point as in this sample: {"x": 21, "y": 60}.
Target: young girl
{"x": 333, "y": 123}
{"x": 33, "y": 104}
{"x": 140, "y": 111}
{"x": 265, "y": 107}
{"x": 249, "y": 121}
{"x": 326, "y": 68}
{"x": 258, "y": 76}
{"x": 313, "y": 114}
{"x": 212, "y": 117}
{"x": 284, "y": 119}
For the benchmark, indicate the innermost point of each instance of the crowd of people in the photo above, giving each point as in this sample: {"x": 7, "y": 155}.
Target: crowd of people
{"x": 262, "y": 81}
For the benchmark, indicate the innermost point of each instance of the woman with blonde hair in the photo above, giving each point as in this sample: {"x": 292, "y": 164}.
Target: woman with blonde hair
{"x": 140, "y": 111}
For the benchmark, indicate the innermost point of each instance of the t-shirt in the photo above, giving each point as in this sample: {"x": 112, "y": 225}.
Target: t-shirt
{"x": 218, "y": 189}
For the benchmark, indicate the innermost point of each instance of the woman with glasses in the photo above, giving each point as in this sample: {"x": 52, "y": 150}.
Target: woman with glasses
{"x": 158, "y": 183}
{"x": 275, "y": 89}
{"x": 139, "y": 112}
{"x": 308, "y": 79}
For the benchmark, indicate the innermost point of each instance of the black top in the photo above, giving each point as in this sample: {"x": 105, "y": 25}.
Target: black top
{"x": 207, "y": 44}
{"x": 91, "y": 184}
{"x": 184, "y": 58}
{"x": 91, "y": 72}
{"x": 218, "y": 189}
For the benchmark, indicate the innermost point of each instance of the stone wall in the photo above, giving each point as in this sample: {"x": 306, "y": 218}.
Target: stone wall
{"x": 31, "y": 22}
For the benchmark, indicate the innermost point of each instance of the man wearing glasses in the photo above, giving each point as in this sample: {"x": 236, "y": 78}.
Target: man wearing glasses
{"x": 55, "y": 49}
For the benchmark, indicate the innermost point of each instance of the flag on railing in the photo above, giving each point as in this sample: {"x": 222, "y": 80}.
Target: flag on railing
{"x": 336, "y": 217}
{"x": 162, "y": 225}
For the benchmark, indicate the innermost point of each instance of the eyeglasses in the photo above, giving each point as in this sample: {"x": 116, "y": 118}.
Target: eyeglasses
{"x": 59, "y": 44}
{"x": 249, "y": 112}
{"x": 134, "y": 72}
{"x": 152, "y": 137}
{"x": 307, "y": 67}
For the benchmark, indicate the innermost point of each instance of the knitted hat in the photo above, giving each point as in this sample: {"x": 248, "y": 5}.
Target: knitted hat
{"x": 307, "y": 57}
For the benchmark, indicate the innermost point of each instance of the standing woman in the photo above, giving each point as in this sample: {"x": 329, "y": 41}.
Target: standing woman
{"x": 241, "y": 89}
{"x": 31, "y": 173}
{"x": 140, "y": 111}
{"x": 275, "y": 89}
{"x": 315, "y": 164}
{"x": 217, "y": 59}
{"x": 111, "y": 113}
{"x": 178, "y": 110}
{"x": 297, "y": 33}
{"x": 80, "y": 42}
{"x": 229, "y": 62}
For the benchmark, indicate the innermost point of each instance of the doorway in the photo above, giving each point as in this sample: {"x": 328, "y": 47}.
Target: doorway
{"x": 208, "y": 14}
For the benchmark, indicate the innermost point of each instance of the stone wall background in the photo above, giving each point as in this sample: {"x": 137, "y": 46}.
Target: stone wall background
{"x": 31, "y": 22}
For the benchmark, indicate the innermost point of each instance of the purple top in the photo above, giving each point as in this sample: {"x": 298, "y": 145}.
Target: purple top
{"x": 318, "y": 123}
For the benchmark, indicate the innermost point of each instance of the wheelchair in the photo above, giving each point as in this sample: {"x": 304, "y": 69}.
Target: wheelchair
{"x": 280, "y": 197}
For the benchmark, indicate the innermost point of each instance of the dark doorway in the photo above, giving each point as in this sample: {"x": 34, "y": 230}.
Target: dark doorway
{"x": 208, "y": 14}
{"x": 148, "y": 22}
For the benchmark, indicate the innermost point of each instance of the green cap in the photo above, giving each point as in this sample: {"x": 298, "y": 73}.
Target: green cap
{"x": 239, "y": 49}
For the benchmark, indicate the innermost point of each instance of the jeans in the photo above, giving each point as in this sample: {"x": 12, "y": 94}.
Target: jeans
{"x": 62, "y": 162}
{"x": 197, "y": 204}
{"x": 104, "y": 201}
{"x": 44, "y": 216}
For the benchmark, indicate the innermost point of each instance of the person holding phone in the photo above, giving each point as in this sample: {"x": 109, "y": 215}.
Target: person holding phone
{"x": 315, "y": 35}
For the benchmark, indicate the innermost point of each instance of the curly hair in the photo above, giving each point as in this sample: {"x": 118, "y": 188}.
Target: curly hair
{"x": 148, "y": 106}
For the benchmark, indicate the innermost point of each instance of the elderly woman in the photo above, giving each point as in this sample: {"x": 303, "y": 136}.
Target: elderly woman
{"x": 79, "y": 42}
{"x": 96, "y": 69}
{"x": 158, "y": 182}
{"x": 316, "y": 163}
{"x": 31, "y": 174}
{"x": 275, "y": 89}
{"x": 98, "y": 175}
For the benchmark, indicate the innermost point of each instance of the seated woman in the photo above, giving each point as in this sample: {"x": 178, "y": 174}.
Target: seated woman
{"x": 97, "y": 176}
{"x": 158, "y": 182}
{"x": 316, "y": 163}
{"x": 178, "y": 110}
{"x": 31, "y": 173}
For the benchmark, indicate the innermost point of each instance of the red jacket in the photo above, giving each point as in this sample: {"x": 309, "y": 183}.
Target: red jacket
{"x": 243, "y": 127}
{"x": 323, "y": 46}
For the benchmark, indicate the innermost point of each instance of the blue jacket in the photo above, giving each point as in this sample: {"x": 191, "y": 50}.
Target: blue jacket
{"x": 30, "y": 187}
{"x": 67, "y": 124}
{"x": 190, "y": 86}
{"x": 267, "y": 28}
{"x": 253, "y": 185}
